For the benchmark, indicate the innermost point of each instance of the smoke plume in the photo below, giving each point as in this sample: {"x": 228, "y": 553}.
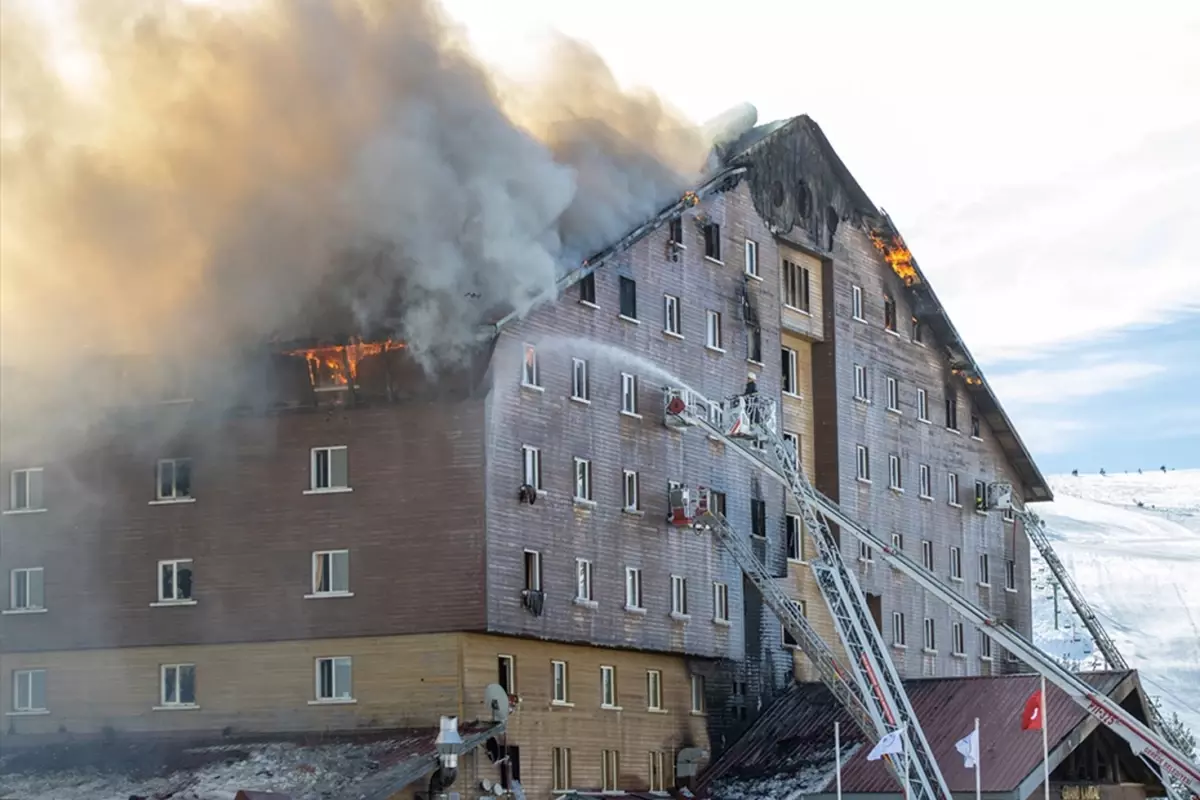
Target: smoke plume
{"x": 180, "y": 178}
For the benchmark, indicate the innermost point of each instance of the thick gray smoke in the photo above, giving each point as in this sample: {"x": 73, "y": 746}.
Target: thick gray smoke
{"x": 179, "y": 178}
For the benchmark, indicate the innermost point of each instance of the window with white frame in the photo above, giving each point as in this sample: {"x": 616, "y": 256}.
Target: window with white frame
{"x": 178, "y": 685}
{"x": 1010, "y": 575}
{"x": 898, "y": 542}
{"x": 752, "y": 257}
{"x": 922, "y": 405}
{"x": 610, "y": 770}
{"x": 560, "y": 685}
{"x": 893, "y": 394}
{"x": 985, "y": 571}
{"x": 531, "y": 459}
{"x": 672, "y": 319}
{"x": 957, "y": 639}
{"x": 334, "y": 679}
{"x": 926, "y": 482}
{"x": 174, "y": 479}
{"x": 608, "y": 687}
{"x": 29, "y": 691}
{"x": 25, "y": 489}
{"x": 720, "y": 602}
{"x": 654, "y": 700}
{"x": 927, "y": 554}
{"x": 712, "y": 241}
{"x": 330, "y": 469}
{"x": 530, "y": 376}
{"x": 856, "y": 303}
{"x": 1009, "y": 515}
{"x": 899, "y": 638}
{"x": 865, "y": 552}
{"x": 629, "y": 393}
{"x": 754, "y": 344}
{"x": 863, "y": 460}
{"x": 331, "y": 572}
{"x": 713, "y": 339}
{"x": 583, "y": 479}
{"x": 985, "y": 647}
{"x": 698, "y": 694}
{"x": 560, "y": 769}
{"x": 631, "y": 490}
{"x": 679, "y": 600}
{"x": 583, "y": 580}
{"x": 26, "y": 589}
{"x": 952, "y": 490}
{"x": 792, "y": 442}
{"x": 930, "y": 641}
{"x": 533, "y": 571}
{"x": 795, "y": 538}
{"x": 981, "y": 496}
{"x": 633, "y": 588}
{"x": 895, "y": 478}
{"x": 955, "y": 563}
{"x": 658, "y": 771}
{"x": 791, "y": 371}
{"x": 506, "y": 673}
{"x": 862, "y": 387}
{"x": 716, "y": 416}
{"x": 580, "y": 388}
{"x": 795, "y": 286}
{"x": 175, "y": 580}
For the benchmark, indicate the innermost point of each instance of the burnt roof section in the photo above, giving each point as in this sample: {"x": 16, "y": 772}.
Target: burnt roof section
{"x": 793, "y": 739}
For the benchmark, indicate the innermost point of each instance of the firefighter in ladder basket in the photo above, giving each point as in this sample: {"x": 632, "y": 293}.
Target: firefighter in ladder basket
{"x": 751, "y": 395}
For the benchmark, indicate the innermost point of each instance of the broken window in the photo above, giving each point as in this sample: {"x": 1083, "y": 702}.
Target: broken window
{"x": 628, "y": 297}
{"x": 889, "y": 314}
{"x": 758, "y": 517}
{"x": 175, "y": 580}
{"x": 712, "y": 241}
{"x": 178, "y": 685}
{"x": 174, "y": 478}
{"x": 788, "y": 640}
{"x": 331, "y": 572}
{"x": 25, "y": 489}
{"x": 330, "y": 469}
{"x": 334, "y": 679}
{"x": 529, "y": 368}
{"x": 587, "y": 289}
{"x": 716, "y": 502}
{"x": 1010, "y": 575}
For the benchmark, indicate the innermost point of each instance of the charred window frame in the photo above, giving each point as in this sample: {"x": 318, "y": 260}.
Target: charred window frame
{"x": 25, "y": 489}
{"x": 716, "y": 502}
{"x": 758, "y": 518}
{"x": 916, "y": 331}
{"x": 952, "y": 412}
{"x": 628, "y": 291}
{"x": 754, "y": 345}
{"x": 889, "y": 313}
{"x": 675, "y": 232}
{"x": 786, "y": 639}
{"x": 587, "y": 289}
{"x": 712, "y": 241}
{"x": 976, "y": 427}
{"x": 174, "y": 479}
{"x": 1010, "y": 575}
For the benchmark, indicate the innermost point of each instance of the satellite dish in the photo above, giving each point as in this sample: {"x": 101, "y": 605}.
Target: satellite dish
{"x": 486, "y": 785}
{"x": 496, "y": 699}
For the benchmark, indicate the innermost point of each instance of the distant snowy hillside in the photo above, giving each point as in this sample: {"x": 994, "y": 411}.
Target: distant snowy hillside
{"x": 1132, "y": 544}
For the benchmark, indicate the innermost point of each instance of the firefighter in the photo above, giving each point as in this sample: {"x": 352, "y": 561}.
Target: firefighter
{"x": 755, "y": 415}
{"x": 751, "y": 384}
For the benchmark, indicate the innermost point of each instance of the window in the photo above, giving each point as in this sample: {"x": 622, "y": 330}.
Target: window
{"x": 787, "y": 639}
{"x": 712, "y": 241}
{"x": 608, "y": 687}
{"x": 864, "y": 463}
{"x": 713, "y": 339}
{"x": 916, "y": 331}
{"x": 985, "y": 647}
{"x": 865, "y": 553}
{"x": 758, "y": 518}
{"x": 658, "y": 771}
{"x": 631, "y": 490}
{"x": 985, "y": 573}
{"x": 629, "y": 393}
{"x": 981, "y": 496}
{"x": 898, "y": 542}
{"x": 654, "y": 690}
{"x": 25, "y": 489}
{"x": 506, "y": 673}
{"x": 175, "y": 580}
{"x": 531, "y": 458}
{"x": 29, "y": 690}
{"x": 922, "y": 405}
{"x": 895, "y": 479}
{"x": 898, "y": 636}
{"x": 957, "y": 643}
{"x": 633, "y": 588}
{"x": 561, "y": 768}
{"x": 628, "y": 297}
{"x": 720, "y": 602}
{"x": 792, "y": 442}
{"x": 672, "y": 320}
{"x": 926, "y": 482}
{"x": 178, "y": 682}
{"x": 533, "y": 571}
{"x": 930, "y": 642}
{"x": 1010, "y": 575}
{"x": 26, "y": 592}
{"x": 679, "y": 604}
{"x": 174, "y": 479}
{"x": 675, "y": 231}
{"x": 610, "y": 770}
{"x": 791, "y": 372}
{"x": 795, "y": 538}
{"x": 861, "y": 385}
{"x": 583, "y": 480}
{"x": 716, "y": 502}
{"x": 976, "y": 427}
{"x": 697, "y": 694}
{"x": 927, "y": 554}
{"x": 889, "y": 314}
{"x": 754, "y": 344}
{"x": 752, "y": 258}
{"x": 331, "y": 572}
{"x": 952, "y": 413}
{"x": 561, "y": 689}
{"x": 795, "y": 286}
{"x": 952, "y": 490}
{"x": 856, "y": 303}
{"x": 587, "y": 289}
{"x": 1008, "y": 515}
{"x": 580, "y": 390}
{"x": 583, "y": 580}
{"x": 893, "y": 395}
{"x": 955, "y": 563}
{"x": 330, "y": 469}
{"x": 530, "y": 376}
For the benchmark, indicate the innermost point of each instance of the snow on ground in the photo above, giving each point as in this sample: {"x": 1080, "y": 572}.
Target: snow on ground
{"x": 1132, "y": 544}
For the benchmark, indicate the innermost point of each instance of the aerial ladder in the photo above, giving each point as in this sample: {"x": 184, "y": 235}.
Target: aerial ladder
{"x": 751, "y": 432}
{"x": 870, "y": 686}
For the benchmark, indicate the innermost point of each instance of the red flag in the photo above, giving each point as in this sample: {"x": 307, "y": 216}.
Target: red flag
{"x": 1031, "y": 720}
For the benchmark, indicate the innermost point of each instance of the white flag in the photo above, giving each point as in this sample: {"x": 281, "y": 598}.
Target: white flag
{"x": 891, "y": 744}
{"x": 969, "y": 747}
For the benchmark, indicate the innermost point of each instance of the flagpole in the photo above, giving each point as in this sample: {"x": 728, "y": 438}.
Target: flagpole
{"x": 978, "y": 758}
{"x": 1045, "y": 742}
{"x": 837, "y": 747}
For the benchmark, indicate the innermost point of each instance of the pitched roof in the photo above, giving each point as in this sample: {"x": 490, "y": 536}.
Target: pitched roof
{"x": 794, "y": 737}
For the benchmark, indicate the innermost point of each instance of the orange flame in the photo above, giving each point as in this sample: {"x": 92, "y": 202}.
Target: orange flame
{"x": 335, "y": 366}
{"x": 897, "y": 254}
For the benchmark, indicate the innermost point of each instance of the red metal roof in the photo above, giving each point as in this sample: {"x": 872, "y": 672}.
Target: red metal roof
{"x": 796, "y": 733}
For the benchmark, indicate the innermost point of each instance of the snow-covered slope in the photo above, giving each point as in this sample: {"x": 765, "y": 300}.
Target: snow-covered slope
{"x": 1132, "y": 544}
